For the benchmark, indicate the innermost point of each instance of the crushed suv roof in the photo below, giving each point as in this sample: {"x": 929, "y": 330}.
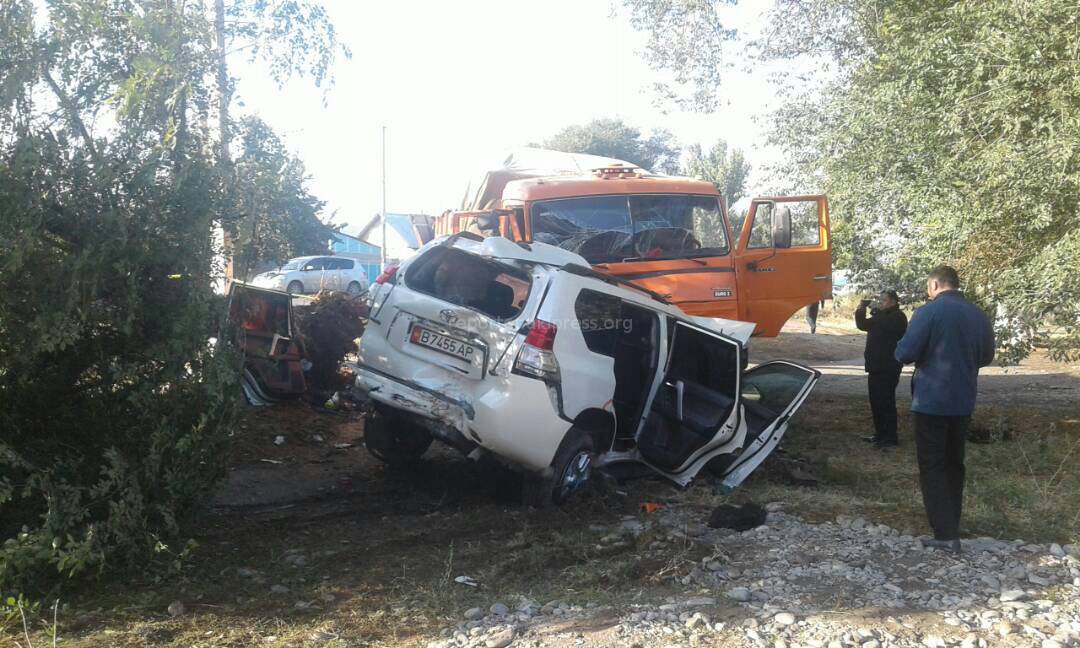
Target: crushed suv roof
{"x": 497, "y": 247}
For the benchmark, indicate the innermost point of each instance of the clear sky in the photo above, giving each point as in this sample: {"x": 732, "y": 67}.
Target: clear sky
{"x": 458, "y": 84}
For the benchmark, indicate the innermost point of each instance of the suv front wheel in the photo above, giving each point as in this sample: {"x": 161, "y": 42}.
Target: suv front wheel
{"x": 571, "y": 472}
{"x": 394, "y": 439}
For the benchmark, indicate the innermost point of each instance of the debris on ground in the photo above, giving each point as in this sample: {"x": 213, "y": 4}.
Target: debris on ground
{"x": 740, "y": 518}
{"x": 329, "y": 327}
{"x": 266, "y": 334}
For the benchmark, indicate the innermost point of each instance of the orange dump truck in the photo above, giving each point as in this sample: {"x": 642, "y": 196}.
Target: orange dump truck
{"x": 671, "y": 235}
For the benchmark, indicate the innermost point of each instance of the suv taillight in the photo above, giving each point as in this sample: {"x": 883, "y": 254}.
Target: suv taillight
{"x": 536, "y": 357}
{"x": 386, "y": 275}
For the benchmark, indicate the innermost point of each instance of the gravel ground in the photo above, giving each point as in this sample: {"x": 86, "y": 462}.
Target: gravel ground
{"x": 790, "y": 583}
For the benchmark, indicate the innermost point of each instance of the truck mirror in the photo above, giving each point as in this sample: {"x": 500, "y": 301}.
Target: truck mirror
{"x": 488, "y": 222}
{"x": 781, "y": 227}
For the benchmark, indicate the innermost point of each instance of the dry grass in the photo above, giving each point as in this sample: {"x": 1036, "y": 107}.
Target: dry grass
{"x": 1025, "y": 487}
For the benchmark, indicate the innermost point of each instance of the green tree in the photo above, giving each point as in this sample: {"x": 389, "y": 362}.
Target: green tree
{"x": 274, "y": 215}
{"x": 726, "y": 169}
{"x": 115, "y": 398}
{"x": 290, "y": 38}
{"x": 945, "y": 132}
{"x": 611, "y": 137}
{"x": 685, "y": 38}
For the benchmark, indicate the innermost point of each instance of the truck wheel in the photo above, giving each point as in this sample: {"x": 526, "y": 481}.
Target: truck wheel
{"x": 395, "y": 440}
{"x": 571, "y": 472}
{"x": 295, "y": 288}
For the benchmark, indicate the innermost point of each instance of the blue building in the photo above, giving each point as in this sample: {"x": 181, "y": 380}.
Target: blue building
{"x": 366, "y": 253}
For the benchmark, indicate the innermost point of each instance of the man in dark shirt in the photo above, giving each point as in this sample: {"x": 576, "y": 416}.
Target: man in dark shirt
{"x": 949, "y": 340}
{"x": 884, "y": 328}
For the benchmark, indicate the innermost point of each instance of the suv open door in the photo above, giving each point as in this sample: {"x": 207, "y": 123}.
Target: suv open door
{"x": 783, "y": 260}
{"x": 769, "y": 395}
{"x": 693, "y": 413}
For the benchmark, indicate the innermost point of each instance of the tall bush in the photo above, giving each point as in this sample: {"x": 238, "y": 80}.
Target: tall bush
{"x": 115, "y": 405}
{"x": 115, "y": 397}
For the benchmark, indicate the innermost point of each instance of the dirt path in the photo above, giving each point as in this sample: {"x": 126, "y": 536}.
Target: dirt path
{"x": 837, "y": 350}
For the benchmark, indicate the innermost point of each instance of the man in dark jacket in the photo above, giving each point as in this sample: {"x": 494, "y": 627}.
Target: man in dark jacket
{"x": 884, "y": 328}
{"x": 949, "y": 340}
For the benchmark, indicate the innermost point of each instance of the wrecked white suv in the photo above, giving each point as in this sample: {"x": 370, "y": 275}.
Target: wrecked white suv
{"x": 523, "y": 352}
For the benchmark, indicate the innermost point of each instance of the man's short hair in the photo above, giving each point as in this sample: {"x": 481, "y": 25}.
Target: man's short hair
{"x": 891, "y": 294}
{"x": 946, "y": 275}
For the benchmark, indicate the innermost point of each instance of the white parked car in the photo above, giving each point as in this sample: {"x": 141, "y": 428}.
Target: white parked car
{"x": 310, "y": 274}
{"x": 523, "y": 352}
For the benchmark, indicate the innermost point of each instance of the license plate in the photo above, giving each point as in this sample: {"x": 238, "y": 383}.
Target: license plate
{"x": 443, "y": 344}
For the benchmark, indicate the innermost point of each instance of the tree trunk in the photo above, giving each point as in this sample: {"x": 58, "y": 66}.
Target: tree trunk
{"x": 222, "y": 82}
{"x": 224, "y": 96}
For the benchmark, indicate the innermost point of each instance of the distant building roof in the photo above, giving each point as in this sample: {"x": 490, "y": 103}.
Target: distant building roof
{"x": 405, "y": 225}
{"x": 342, "y": 243}
{"x": 348, "y": 236}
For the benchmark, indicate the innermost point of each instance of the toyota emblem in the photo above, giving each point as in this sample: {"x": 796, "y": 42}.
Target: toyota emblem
{"x": 448, "y": 316}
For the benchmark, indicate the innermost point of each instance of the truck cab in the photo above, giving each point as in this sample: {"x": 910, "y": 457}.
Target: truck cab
{"x": 670, "y": 235}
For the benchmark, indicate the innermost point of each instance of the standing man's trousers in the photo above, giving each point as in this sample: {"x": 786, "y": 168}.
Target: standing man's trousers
{"x": 939, "y": 442}
{"x": 882, "y": 388}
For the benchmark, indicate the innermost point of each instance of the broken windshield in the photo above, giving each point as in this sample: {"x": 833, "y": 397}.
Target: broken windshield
{"x": 612, "y": 229}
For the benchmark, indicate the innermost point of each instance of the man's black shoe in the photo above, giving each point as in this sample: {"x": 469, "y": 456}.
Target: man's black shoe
{"x": 870, "y": 439}
{"x": 885, "y": 445}
{"x": 947, "y": 545}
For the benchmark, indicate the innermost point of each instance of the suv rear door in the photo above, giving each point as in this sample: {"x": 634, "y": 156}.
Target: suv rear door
{"x": 777, "y": 277}
{"x": 694, "y": 410}
{"x": 459, "y": 311}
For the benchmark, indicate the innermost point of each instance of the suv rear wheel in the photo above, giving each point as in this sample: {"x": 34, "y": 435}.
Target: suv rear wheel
{"x": 571, "y": 472}
{"x": 394, "y": 439}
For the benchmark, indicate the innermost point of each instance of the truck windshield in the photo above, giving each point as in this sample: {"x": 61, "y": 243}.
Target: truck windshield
{"x": 612, "y": 229}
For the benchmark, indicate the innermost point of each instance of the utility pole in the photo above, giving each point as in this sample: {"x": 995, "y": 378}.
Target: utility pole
{"x": 383, "y": 216}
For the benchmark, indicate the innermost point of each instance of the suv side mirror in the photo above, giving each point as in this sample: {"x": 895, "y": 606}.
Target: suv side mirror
{"x": 781, "y": 227}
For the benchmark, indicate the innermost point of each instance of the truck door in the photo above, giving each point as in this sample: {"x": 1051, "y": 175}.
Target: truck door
{"x": 783, "y": 260}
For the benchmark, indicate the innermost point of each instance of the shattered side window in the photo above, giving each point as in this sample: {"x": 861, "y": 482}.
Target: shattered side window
{"x": 598, "y": 318}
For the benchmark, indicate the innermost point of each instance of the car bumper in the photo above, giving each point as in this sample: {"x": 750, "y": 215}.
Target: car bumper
{"x": 413, "y": 398}
{"x": 526, "y": 433}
